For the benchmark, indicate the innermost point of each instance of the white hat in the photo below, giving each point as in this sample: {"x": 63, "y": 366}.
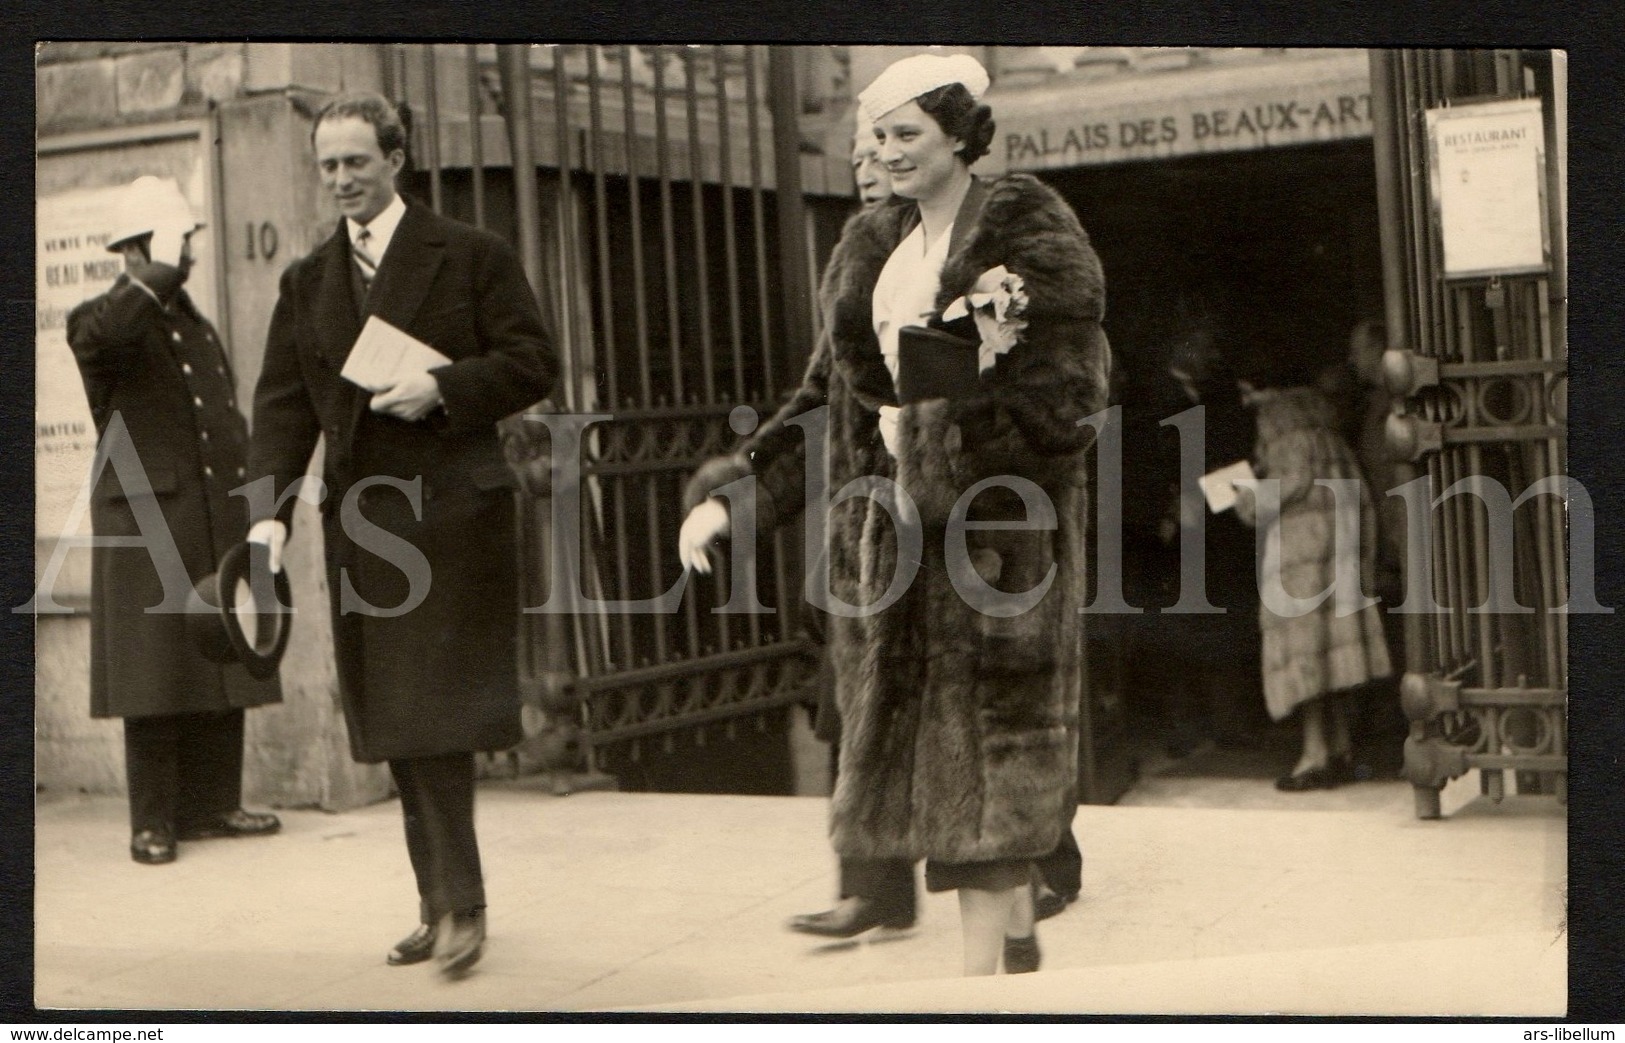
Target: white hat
{"x": 147, "y": 203}
{"x": 910, "y": 77}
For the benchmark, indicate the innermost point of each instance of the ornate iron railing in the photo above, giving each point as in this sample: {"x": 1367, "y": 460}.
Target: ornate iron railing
{"x": 656, "y": 204}
{"x": 1481, "y": 370}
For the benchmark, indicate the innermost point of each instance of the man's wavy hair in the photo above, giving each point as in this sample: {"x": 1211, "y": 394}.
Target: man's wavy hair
{"x": 370, "y": 108}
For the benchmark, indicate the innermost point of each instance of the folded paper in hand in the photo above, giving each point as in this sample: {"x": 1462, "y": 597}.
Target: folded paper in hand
{"x": 1219, "y": 486}
{"x": 383, "y": 355}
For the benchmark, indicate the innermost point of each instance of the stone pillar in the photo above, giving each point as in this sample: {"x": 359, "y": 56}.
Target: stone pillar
{"x": 274, "y": 213}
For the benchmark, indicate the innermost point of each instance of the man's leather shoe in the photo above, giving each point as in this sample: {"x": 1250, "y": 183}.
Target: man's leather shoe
{"x": 152, "y": 847}
{"x": 460, "y": 938}
{"x": 238, "y": 823}
{"x": 414, "y": 948}
{"x": 851, "y": 917}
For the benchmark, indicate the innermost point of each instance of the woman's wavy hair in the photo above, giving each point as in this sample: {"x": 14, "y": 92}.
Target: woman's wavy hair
{"x": 960, "y": 116}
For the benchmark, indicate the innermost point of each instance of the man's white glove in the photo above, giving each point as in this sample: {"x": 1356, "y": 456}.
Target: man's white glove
{"x": 706, "y": 523}
{"x": 888, "y": 427}
{"x": 273, "y": 534}
{"x": 172, "y": 224}
{"x": 169, "y": 240}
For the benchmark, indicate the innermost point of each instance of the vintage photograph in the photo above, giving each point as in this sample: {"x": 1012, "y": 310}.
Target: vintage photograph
{"x": 743, "y": 528}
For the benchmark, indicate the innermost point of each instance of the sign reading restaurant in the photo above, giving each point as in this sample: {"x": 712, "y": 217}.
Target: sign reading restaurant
{"x": 1159, "y": 116}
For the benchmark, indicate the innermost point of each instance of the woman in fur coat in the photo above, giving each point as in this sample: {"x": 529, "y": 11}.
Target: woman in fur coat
{"x": 1312, "y": 660}
{"x": 955, "y": 582}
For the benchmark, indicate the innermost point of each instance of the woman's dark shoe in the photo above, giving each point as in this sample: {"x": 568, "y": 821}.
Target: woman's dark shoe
{"x": 414, "y": 948}
{"x": 1021, "y": 955}
{"x": 238, "y": 823}
{"x": 1322, "y": 777}
{"x": 850, "y": 918}
{"x": 1048, "y": 903}
{"x": 459, "y": 941}
{"x": 151, "y": 847}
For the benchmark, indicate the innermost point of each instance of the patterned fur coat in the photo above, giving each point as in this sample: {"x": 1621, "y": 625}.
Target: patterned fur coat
{"x": 1321, "y": 651}
{"x": 959, "y": 725}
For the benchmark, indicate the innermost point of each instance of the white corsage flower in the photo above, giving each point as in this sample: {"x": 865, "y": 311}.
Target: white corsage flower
{"x": 997, "y": 303}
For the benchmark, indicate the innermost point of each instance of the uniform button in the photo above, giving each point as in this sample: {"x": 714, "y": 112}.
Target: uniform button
{"x": 208, "y": 472}
{"x": 204, "y": 436}
{"x": 220, "y": 370}
{"x": 241, "y": 472}
{"x": 197, "y": 401}
{"x": 175, "y": 336}
{"x": 186, "y": 367}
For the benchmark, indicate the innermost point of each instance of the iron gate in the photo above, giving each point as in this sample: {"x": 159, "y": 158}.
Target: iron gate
{"x": 1480, "y": 371}
{"x": 664, "y": 232}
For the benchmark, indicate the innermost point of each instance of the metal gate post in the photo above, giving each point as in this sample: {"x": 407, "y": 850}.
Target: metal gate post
{"x": 783, "y": 102}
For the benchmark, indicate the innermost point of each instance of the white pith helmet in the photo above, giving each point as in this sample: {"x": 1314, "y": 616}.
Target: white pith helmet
{"x": 147, "y": 203}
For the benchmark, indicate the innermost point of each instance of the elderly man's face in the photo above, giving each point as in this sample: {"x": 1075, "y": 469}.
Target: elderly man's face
{"x": 874, "y": 186}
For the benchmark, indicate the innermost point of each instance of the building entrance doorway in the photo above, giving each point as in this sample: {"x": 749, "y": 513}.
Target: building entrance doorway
{"x": 1274, "y": 256}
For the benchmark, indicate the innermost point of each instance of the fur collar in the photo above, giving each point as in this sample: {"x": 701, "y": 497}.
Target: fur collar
{"x": 1020, "y": 223}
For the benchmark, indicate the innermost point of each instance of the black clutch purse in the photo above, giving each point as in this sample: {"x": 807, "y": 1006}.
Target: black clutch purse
{"x": 932, "y": 363}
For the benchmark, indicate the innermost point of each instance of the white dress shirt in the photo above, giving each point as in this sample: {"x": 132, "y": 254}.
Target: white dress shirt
{"x": 381, "y": 229}
{"x": 906, "y": 292}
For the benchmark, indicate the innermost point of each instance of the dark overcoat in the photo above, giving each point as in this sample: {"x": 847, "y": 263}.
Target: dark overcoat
{"x": 158, "y": 382}
{"x": 442, "y": 676}
{"x": 958, "y": 725}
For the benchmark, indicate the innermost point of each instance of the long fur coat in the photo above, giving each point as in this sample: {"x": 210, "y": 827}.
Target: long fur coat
{"x": 1324, "y": 650}
{"x": 959, "y": 713}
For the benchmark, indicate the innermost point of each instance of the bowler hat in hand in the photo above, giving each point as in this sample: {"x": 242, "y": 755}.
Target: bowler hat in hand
{"x": 227, "y": 627}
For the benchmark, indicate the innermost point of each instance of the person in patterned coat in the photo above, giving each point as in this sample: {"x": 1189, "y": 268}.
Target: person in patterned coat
{"x": 1312, "y": 659}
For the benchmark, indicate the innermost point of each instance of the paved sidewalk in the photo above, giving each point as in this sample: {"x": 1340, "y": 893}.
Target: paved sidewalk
{"x": 676, "y": 902}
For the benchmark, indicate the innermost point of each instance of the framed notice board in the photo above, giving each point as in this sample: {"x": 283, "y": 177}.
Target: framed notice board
{"x": 1487, "y": 172}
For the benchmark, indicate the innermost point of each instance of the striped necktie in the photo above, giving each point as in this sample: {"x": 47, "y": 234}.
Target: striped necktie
{"x": 358, "y": 247}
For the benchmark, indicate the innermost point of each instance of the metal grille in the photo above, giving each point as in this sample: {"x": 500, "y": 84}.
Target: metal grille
{"x": 652, "y": 231}
{"x": 1483, "y": 689}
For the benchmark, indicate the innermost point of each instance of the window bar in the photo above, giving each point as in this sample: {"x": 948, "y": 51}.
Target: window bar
{"x": 564, "y": 230}
{"x": 570, "y": 281}
{"x": 431, "y": 126}
{"x": 629, "y": 55}
{"x": 725, "y": 176}
{"x": 696, "y": 173}
{"x": 731, "y": 262}
{"x": 758, "y": 207}
{"x": 702, "y": 294}
{"x": 476, "y": 140}
{"x": 668, "y": 235}
{"x": 640, "y": 304}
{"x": 608, "y": 357}
{"x": 674, "y": 319}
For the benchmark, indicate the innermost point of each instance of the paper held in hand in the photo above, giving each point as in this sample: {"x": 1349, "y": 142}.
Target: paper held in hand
{"x": 383, "y": 355}
{"x": 1219, "y": 486}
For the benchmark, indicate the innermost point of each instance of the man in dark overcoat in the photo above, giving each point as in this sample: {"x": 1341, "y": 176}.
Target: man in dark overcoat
{"x": 418, "y": 508}
{"x": 171, "y": 446}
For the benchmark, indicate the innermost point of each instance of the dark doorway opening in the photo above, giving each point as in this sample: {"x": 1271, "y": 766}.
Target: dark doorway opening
{"x": 1282, "y": 244}
{"x": 1277, "y": 253}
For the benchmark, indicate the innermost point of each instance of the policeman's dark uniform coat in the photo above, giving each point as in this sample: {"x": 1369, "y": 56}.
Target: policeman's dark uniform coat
{"x": 443, "y": 677}
{"x": 163, "y": 371}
